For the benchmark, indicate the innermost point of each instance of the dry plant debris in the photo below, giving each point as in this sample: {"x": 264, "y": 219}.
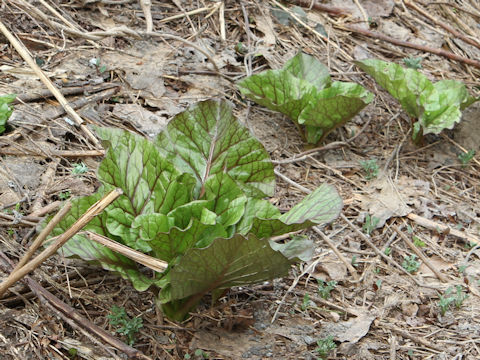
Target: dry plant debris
{"x": 133, "y": 65}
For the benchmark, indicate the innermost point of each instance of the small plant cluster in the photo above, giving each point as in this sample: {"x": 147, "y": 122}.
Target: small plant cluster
{"x": 5, "y": 110}
{"x": 195, "y": 198}
{"x": 325, "y": 346}
{"x": 303, "y": 91}
{"x": 411, "y": 264}
{"x": 370, "y": 224}
{"x": 325, "y": 288}
{"x": 370, "y": 167}
{"x": 123, "y": 324}
{"x": 198, "y": 354}
{"x": 465, "y": 158}
{"x": 450, "y": 297}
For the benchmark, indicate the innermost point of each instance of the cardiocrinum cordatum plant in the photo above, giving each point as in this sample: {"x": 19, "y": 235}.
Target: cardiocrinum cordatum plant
{"x": 195, "y": 197}
{"x": 433, "y": 106}
{"x": 303, "y": 91}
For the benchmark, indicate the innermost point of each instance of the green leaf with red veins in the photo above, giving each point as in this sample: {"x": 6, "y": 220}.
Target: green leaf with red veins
{"x": 436, "y": 106}
{"x": 308, "y": 68}
{"x": 228, "y": 199}
{"x": 150, "y": 184}
{"x": 207, "y": 139}
{"x": 333, "y": 107}
{"x": 225, "y": 263}
{"x": 303, "y": 91}
{"x": 84, "y": 248}
{"x": 405, "y": 85}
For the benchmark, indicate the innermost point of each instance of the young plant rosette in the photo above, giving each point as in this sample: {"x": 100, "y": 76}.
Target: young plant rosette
{"x": 195, "y": 198}
{"x": 303, "y": 91}
{"x": 432, "y": 106}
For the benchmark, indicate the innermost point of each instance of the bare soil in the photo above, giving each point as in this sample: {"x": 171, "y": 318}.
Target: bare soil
{"x": 114, "y": 73}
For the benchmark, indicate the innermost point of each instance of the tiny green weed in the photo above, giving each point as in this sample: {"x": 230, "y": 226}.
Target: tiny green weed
{"x": 5, "y": 110}
{"x": 72, "y": 353}
{"x": 325, "y": 346}
{"x": 124, "y": 325}
{"x": 354, "y": 261}
{"x": 413, "y": 62}
{"x": 64, "y": 195}
{"x": 465, "y": 158}
{"x": 460, "y": 296}
{"x": 418, "y": 243}
{"x": 449, "y": 298}
{"x": 370, "y": 224}
{"x": 200, "y": 354}
{"x": 387, "y": 251}
{"x": 444, "y": 302}
{"x": 306, "y": 302}
{"x": 79, "y": 169}
{"x": 325, "y": 288}
{"x": 411, "y": 264}
{"x": 370, "y": 167}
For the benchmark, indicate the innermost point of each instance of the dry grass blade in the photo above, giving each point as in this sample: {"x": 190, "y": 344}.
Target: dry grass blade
{"x": 93, "y": 211}
{"x": 148, "y": 261}
{"x": 58, "y": 95}
{"x": 43, "y": 235}
{"x": 420, "y": 254}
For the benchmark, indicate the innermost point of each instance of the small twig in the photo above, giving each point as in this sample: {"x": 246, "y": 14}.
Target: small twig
{"x": 330, "y": 146}
{"x": 93, "y": 211}
{"x": 342, "y": 258}
{"x": 46, "y": 209}
{"x": 34, "y": 95}
{"x": 442, "y": 24}
{"x": 147, "y": 12}
{"x": 336, "y": 11}
{"x": 416, "y": 339}
{"x": 429, "y": 224}
{"x": 43, "y": 235}
{"x": 52, "y": 153}
{"x": 20, "y": 219}
{"x": 148, "y": 261}
{"x": 417, "y": 251}
{"x": 436, "y": 51}
{"x": 71, "y": 316}
{"x": 61, "y": 99}
{"x": 188, "y": 13}
{"x": 362, "y": 10}
{"x": 221, "y": 20}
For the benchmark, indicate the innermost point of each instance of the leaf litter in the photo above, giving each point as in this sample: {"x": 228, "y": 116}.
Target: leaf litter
{"x": 442, "y": 191}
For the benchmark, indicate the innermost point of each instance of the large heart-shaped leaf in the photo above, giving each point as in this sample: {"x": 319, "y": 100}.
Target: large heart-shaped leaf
{"x": 225, "y": 263}
{"x": 207, "y": 139}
